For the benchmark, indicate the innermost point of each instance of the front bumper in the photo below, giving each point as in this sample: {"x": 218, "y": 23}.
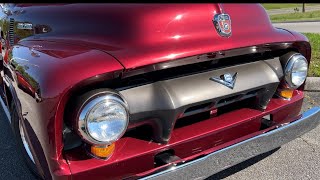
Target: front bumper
{"x": 215, "y": 162}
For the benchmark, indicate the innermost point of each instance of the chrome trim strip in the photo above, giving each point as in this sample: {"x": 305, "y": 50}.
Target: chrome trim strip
{"x": 6, "y": 110}
{"x": 217, "y": 161}
{"x": 8, "y": 82}
{"x": 208, "y": 57}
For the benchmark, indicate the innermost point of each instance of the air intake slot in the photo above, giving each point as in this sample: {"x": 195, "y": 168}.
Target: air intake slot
{"x": 229, "y": 99}
{"x": 11, "y": 31}
{"x": 237, "y": 97}
{"x": 197, "y": 109}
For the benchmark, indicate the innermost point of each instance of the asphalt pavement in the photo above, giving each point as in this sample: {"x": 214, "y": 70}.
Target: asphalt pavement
{"x": 11, "y": 165}
{"x": 304, "y": 27}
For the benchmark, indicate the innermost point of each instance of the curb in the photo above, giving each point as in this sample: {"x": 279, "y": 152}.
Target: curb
{"x": 299, "y": 21}
{"x": 312, "y": 84}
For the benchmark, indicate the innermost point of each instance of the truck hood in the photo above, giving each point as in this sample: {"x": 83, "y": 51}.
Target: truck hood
{"x": 143, "y": 34}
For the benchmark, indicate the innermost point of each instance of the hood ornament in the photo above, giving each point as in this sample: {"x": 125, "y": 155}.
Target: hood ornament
{"x": 226, "y": 79}
{"x": 222, "y": 23}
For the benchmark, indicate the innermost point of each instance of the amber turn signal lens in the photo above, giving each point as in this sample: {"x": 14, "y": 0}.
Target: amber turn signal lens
{"x": 103, "y": 151}
{"x": 286, "y": 93}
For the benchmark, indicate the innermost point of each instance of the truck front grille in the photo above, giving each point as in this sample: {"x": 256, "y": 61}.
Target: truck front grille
{"x": 162, "y": 102}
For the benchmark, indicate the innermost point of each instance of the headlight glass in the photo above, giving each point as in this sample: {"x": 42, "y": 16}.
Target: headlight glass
{"x": 299, "y": 72}
{"x": 296, "y": 71}
{"x": 104, "y": 120}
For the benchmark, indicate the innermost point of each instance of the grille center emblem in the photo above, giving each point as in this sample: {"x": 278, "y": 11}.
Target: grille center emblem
{"x": 222, "y": 23}
{"x": 226, "y": 79}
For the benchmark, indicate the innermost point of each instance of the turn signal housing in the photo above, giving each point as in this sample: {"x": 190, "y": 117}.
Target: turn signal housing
{"x": 286, "y": 93}
{"x": 102, "y": 151}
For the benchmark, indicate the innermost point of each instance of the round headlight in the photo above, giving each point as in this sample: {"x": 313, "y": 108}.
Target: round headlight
{"x": 103, "y": 119}
{"x": 296, "y": 71}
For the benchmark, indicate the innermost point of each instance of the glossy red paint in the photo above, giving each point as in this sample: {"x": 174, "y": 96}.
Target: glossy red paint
{"x": 161, "y": 32}
{"x": 79, "y": 45}
{"x": 52, "y": 78}
{"x": 135, "y": 157}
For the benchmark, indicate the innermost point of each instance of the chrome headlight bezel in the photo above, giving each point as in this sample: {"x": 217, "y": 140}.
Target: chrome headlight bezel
{"x": 289, "y": 67}
{"x": 88, "y": 105}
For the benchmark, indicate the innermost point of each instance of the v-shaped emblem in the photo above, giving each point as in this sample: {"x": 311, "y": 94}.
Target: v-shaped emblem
{"x": 226, "y": 79}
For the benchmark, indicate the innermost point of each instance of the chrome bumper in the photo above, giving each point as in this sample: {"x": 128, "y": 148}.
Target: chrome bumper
{"x": 217, "y": 161}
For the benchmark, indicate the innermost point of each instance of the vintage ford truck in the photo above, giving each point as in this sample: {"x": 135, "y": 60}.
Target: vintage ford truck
{"x": 149, "y": 91}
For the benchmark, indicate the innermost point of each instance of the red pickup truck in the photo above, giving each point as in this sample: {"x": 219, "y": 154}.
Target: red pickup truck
{"x": 149, "y": 91}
